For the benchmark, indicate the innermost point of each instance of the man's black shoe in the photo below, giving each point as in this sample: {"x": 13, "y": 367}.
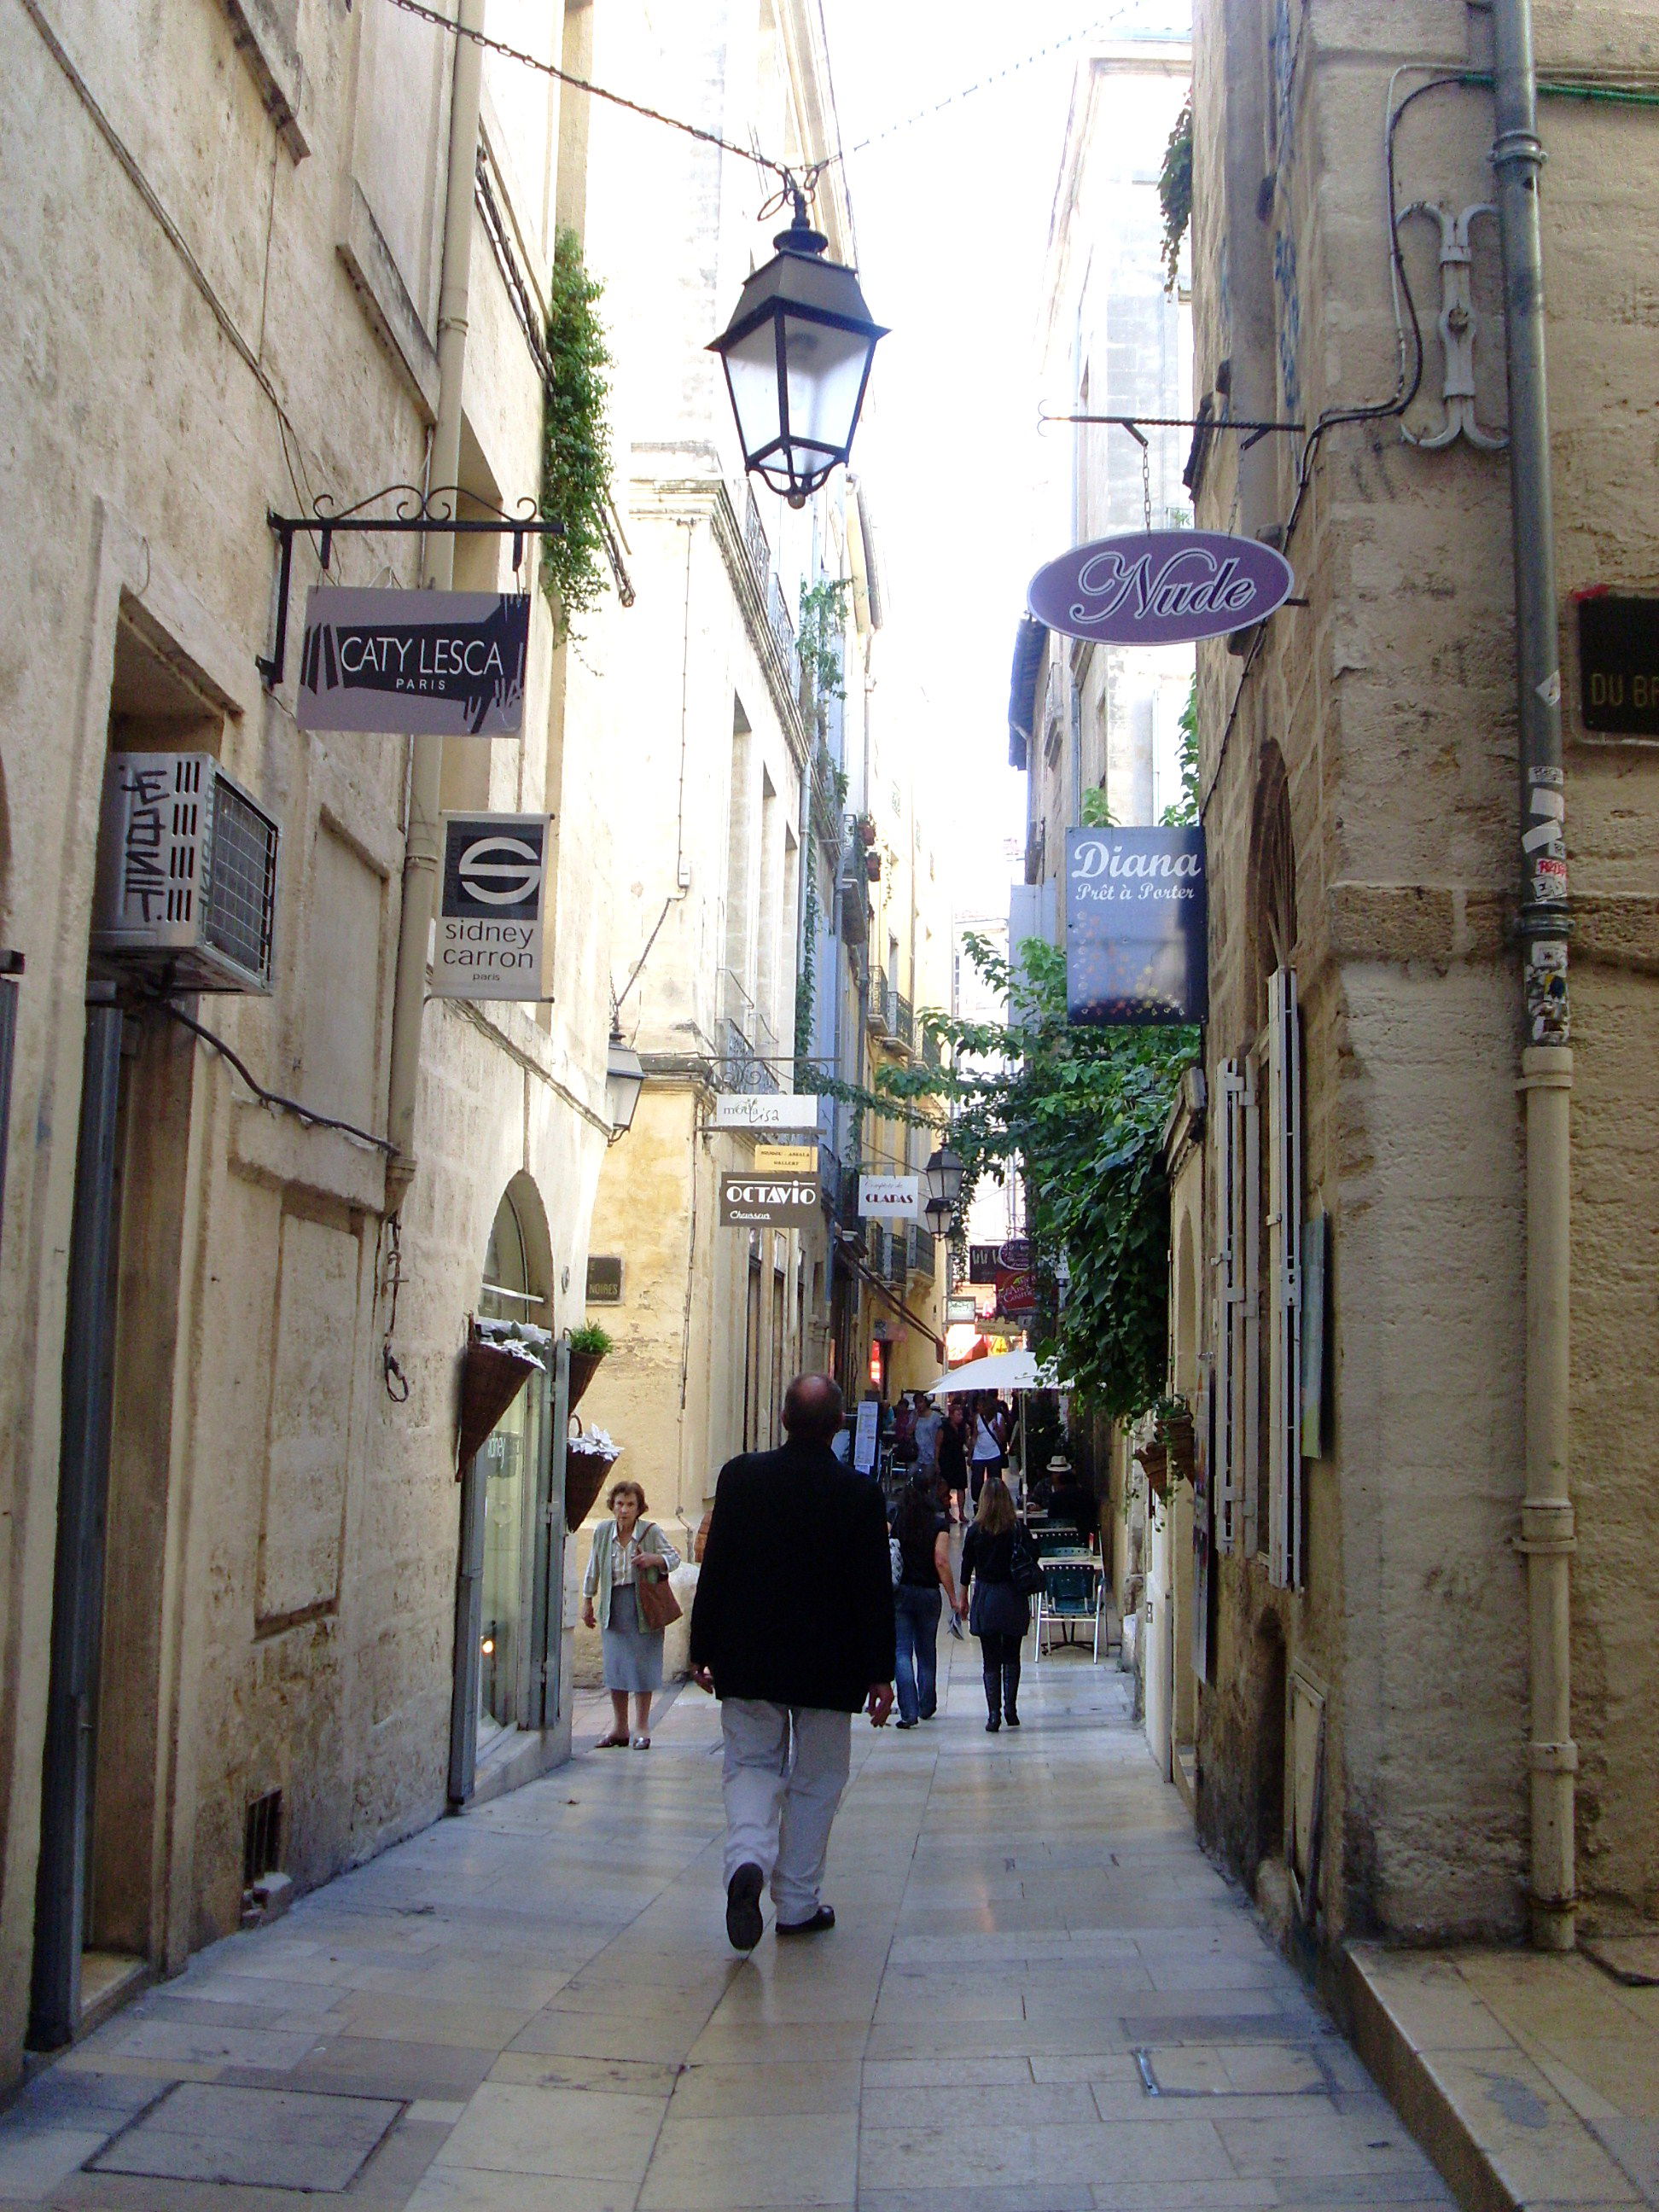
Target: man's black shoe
{"x": 822, "y": 1919}
{"x": 743, "y": 1913}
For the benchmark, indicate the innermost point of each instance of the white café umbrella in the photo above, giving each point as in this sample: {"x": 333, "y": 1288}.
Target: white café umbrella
{"x": 1005, "y": 1370}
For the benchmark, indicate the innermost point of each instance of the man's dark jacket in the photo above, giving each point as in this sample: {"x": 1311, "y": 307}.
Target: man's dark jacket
{"x": 794, "y": 1604}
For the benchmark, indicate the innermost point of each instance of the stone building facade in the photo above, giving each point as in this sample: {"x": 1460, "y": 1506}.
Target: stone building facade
{"x": 222, "y": 303}
{"x": 1350, "y": 1182}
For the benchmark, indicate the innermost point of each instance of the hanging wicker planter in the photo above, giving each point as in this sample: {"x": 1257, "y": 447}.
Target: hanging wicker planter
{"x": 587, "y": 1464}
{"x": 1177, "y": 1435}
{"x": 491, "y": 1379}
{"x": 1154, "y": 1463}
{"x": 584, "y": 1366}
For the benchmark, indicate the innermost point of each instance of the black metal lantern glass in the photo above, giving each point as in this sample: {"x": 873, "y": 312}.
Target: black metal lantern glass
{"x": 797, "y": 354}
{"x": 944, "y": 1174}
{"x": 939, "y": 1214}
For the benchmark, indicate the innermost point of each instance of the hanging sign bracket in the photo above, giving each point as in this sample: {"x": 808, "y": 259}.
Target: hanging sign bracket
{"x": 417, "y": 512}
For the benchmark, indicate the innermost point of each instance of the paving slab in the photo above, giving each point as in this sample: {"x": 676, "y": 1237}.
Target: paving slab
{"x": 1040, "y": 1997}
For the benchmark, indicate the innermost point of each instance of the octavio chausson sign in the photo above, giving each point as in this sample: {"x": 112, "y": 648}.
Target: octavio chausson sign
{"x": 1160, "y": 587}
{"x": 490, "y": 926}
{"x": 438, "y": 664}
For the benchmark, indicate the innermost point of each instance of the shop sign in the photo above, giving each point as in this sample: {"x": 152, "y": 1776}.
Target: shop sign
{"x": 867, "y": 1433}
{"x": 962, "y": 1308}
{"x": 1016, "y": 1293}
{"x": 439, "y": 664}
{"x": 1015, "y": 1253}
{"x": 488, "y": 934}
{"x": 1136, "y": 918}
{"x": 786, "y": 1159}
{"x": 982, "y": 1263}
{"x": 1161, "y": 588}
{"x": 890, "y": 1198}
{"x": 1619, "y": 664}
{"x": 767, "y": 1109}
{"x": 757, "y": 1201}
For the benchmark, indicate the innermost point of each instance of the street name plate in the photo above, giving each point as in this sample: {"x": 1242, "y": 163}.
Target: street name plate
{"x": 787, "y": 1159}
{"x": 757, "y": 1201}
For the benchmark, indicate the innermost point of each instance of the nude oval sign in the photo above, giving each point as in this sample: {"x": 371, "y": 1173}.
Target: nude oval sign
{"x": 1160, "y": 587}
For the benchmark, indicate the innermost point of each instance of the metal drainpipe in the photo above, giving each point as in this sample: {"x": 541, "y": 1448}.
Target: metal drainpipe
{"x": 1546, "y": 1520}
{"x": 426, "y": 775}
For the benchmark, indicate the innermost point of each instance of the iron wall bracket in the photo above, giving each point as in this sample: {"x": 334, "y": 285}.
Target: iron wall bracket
{"x": 417, "y": 512}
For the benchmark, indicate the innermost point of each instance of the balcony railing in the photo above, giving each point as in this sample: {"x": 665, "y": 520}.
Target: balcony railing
{"x": 755, "y": 546}
{"x": 902, "y": 1022}
{"x": 749, "y": 1053}
{"x": 931, "y": 1056}
{"x": 923, "y": 1245}
{"x": 878, "y": 1001}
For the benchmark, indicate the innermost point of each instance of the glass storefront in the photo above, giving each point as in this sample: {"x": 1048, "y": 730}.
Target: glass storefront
{"x": 510, "y": 1465}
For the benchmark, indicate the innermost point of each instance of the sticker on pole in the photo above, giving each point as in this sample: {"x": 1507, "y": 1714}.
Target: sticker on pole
{"x": 1161, "y": 588}
{"x": 492, "y": 904}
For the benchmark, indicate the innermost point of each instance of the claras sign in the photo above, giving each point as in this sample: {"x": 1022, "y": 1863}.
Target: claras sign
{"x": 1160, "y": 587}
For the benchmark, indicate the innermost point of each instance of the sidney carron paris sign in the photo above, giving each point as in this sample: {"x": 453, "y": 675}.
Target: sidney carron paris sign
{"x": 437, "y": 664}
{"x": 1161, "y": 588}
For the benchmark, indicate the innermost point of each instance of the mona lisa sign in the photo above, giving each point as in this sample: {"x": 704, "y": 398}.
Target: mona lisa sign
{"x": 1161, "y": 588}
{"x": 1136, "y": 920}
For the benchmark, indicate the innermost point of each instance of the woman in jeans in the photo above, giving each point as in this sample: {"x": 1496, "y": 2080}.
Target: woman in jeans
{"x": 999, "y": 1615}
{"x": 924, "y": 1543}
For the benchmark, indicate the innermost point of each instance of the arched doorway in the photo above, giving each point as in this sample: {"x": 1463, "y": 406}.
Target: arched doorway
{"x": 509, "y": 1610}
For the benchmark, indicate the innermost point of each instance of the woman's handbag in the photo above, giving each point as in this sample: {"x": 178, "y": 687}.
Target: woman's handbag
{"x": 1025, "y": 1569}
{"x": 658, "y": 1605}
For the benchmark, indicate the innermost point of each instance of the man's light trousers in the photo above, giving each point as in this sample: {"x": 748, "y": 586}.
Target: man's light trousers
{"x": 786, "y": 1767}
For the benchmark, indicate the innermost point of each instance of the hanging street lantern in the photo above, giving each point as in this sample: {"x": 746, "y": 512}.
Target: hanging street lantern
{"x": 797, "y": 354}
{"x": 624, "y": 1079}
{"x": 944, "y": 1174}
{"x": 939, "y": 1214}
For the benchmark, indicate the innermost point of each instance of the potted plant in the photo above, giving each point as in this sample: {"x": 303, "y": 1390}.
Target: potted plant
{"x": 588, "y": 1345}
{"x": 1174, "y": 1433}
{"x": 867, "y": 829}
{"x": 873, "y": 867}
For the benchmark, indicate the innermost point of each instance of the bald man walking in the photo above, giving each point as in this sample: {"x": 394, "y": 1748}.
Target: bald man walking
{"x": 792, "y": 1630}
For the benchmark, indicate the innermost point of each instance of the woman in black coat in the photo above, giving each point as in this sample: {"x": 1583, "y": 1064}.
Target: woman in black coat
{"x": 998, "y": 1614}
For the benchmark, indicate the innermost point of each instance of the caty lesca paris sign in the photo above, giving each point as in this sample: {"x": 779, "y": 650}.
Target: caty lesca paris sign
{"x": 438, "y": 664}
{"x": 1160, "y": 587}
{"x": 1135, "y": 927}
{"x": 491, "y": 903}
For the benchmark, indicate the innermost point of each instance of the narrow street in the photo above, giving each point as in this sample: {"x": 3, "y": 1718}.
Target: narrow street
{"x": 1039, "y": 1995}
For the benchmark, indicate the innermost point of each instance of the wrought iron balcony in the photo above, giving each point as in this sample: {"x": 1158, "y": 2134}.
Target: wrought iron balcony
{"x": 878, "y": 1001}
{"x": 922, "y": 1250}
{"x": 901, "y": 1021}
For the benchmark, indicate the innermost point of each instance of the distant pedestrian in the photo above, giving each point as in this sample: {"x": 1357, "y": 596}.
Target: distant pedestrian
{"x": 624, "y": 1547}
{"x": 923, "y": 1534}
{"x": 929, "y": 1422}
{"x": 904, "y": 1432}
{"x": 953, "y": 1460}
{"x": 792, "y": 1630}
{"x": 987, "y": 1455}
{"x": 997, "y": 1613}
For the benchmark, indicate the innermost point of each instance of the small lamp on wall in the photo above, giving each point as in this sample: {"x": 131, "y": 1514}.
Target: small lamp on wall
{"x": 624, "y": 1079}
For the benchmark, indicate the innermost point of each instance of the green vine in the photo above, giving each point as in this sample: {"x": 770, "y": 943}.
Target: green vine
{"x": 804, "y": 982}
{"x": 1078, "y": 1114}
{"x": 1097, "y": 814}
{"x": 1184, "y": 812}
{"x": 575, "y": 439}
{"x": 818, "y": 641}
{"x": 1175, "y": 192}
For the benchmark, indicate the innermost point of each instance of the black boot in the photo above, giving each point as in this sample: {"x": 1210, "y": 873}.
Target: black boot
{"x": 1011, "y": 1691}
{"x": 993, "y": 1696}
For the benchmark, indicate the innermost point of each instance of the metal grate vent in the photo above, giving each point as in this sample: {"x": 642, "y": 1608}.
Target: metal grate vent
{"x": 241, "y": 893}
{"x": 262, "y": 1837}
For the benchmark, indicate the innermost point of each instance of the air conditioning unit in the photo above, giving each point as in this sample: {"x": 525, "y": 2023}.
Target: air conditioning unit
{"x": 186, "y": 873}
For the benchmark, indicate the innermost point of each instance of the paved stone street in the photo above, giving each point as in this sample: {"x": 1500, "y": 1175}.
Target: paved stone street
{"x": 1040, "y": 1997}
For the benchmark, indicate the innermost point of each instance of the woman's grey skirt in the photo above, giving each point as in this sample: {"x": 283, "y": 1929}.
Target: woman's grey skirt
{"x": 633, "y": 1655}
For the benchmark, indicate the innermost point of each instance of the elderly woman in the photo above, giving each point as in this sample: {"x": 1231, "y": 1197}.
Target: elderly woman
{"x": 625, "y": 1546}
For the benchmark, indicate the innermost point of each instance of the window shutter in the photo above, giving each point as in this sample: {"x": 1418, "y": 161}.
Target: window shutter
{"x": 1285, "y": 1475}
{"x": 1246, "y": 1307}
{"x": 1226, "y": 1494}
{"x": 1236, "y": 1329}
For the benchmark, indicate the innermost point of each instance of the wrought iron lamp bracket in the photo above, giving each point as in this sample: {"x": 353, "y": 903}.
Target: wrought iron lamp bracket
{"x": 417, "y": 513}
